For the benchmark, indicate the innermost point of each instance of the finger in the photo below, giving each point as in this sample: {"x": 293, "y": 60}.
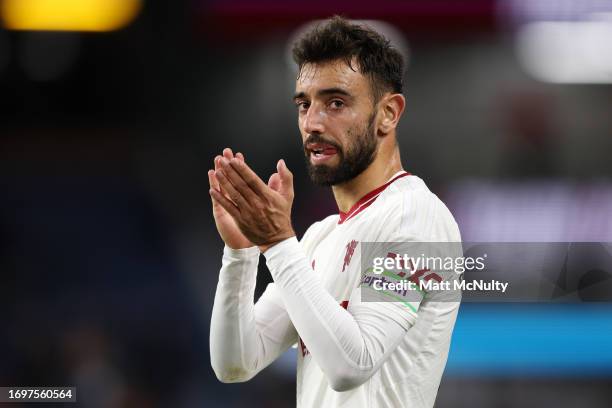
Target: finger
{"x": 250, "y": 177}
{"x": 240, "y": 156}
{"x": 212, "y": 180}
{"x": 274, "y": 182}
{"x": 228, "y": 154}
{"x": 234, "y": 195}
{"x": 213, "y": 184}
{"x": 225, "y": 203}
{"x": 286, "y": 178}
{"x": 218, "y": 159}
{"x": 237, "y": 181}
{"x": 217, "y": 168}
{"x": 217, "y": 162}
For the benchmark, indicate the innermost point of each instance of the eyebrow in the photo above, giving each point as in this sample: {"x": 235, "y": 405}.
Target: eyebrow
{"x": 325, "y": 92}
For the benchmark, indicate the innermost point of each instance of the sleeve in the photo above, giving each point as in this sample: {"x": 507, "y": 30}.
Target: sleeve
{"x": 348, "y": 345}
{"x": 246, "y": 337}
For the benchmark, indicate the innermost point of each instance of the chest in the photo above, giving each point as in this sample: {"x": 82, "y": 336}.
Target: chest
{"x": 336, "y": 257}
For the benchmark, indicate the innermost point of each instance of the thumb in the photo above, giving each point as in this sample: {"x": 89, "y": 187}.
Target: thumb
{"x": 275, "y": 182}
{"x": 286, "y": 177}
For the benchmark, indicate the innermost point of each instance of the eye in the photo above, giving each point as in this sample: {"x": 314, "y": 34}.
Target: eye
{"x": 302, "y": 106}
{"x": 337, "y": 104}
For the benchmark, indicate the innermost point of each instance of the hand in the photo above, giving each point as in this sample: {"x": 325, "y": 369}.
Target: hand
{"x": 262, "y": 212}
{"x": 227, "y": 227}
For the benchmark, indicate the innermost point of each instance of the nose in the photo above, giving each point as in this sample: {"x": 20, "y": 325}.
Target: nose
{"x": 312, "y": 121}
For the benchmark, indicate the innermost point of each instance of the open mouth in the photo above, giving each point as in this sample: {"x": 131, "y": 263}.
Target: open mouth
{"x": 321, "y": 152}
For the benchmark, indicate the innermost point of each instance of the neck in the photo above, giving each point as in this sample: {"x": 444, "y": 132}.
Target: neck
{"x": 382, "y": 168}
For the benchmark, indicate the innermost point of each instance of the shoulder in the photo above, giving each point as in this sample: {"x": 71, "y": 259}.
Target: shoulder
{"x": 417, "y": 212}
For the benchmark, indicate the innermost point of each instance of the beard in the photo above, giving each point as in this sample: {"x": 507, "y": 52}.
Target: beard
{"x": 358, "y": 156}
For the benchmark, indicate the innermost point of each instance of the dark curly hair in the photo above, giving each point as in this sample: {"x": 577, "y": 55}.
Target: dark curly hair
{"x": 337, "y": 38}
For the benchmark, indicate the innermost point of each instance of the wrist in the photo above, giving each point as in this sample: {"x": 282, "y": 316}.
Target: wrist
{"x": 236, "y": 254}
{"x": 264, "y": 247}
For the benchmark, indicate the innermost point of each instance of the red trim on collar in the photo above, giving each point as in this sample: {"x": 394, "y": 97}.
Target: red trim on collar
{"x": 367, "y": 200}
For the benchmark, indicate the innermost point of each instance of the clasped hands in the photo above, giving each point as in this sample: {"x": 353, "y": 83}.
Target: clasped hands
{"x": 247, "y": 211}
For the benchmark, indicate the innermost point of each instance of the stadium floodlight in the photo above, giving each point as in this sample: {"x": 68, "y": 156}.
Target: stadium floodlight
{"x": 68, "y": 15}
{"x": 567, "y": 51}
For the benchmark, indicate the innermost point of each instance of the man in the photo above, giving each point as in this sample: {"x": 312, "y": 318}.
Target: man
{"x": 353, "y": 353}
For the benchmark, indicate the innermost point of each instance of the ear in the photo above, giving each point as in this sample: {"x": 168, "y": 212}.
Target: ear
{"x": 391, "y": 108}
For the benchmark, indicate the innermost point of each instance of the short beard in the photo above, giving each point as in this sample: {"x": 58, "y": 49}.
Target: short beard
{"x": 358, "y": 157}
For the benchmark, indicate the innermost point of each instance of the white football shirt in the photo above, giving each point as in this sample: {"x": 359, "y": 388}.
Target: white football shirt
{"x": 351, "y": 353}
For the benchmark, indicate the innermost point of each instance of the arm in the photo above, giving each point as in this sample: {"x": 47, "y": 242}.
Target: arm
{"x": 348, "y": 345}
{"x": 245, "y": 338}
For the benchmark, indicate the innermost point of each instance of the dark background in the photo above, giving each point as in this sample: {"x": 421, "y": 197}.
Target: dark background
{"x": 108, "y": 252}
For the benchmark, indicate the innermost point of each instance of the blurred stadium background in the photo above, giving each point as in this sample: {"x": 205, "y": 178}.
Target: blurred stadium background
{"x": 112, "y": 111}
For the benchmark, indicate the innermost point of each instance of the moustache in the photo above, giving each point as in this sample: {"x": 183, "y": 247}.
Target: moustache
{"x": 315, "y": 138}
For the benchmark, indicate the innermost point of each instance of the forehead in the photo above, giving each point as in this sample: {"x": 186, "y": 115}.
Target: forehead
{"x": 332, "y": 74}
